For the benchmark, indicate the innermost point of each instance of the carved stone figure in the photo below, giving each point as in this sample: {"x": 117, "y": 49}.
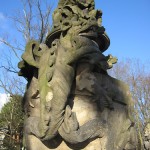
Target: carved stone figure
{"x": 71, "y": 102}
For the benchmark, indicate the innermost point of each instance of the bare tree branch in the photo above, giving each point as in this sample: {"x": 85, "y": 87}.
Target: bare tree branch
{"x": 8, "y": 69}
{"x": 10, "y": 46}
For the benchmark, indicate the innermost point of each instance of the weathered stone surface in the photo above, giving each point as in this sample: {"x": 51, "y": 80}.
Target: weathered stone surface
{"x": 119, "y": 134}
{"x": 147, "y": 137}
{"x": 71, "y": 102}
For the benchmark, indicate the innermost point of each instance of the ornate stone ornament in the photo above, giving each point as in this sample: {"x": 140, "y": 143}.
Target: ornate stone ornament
{"x": 71, "y": 102}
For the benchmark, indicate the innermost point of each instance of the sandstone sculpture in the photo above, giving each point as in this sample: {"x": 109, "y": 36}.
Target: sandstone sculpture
{"x": 71, "y": 102}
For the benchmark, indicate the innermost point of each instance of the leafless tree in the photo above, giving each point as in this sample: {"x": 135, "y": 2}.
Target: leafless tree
{"x": 32, "y": 21}
{"x": 137, "y": 76}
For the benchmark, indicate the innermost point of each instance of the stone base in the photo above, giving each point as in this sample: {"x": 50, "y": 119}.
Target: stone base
{"x": 120, "y": 134}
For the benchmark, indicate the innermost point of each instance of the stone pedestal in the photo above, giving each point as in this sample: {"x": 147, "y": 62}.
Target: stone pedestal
{"x": 119, "y": 135}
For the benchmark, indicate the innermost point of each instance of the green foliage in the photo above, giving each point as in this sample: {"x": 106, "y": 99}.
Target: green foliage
{"x": 11, "y": 113}
{"x": 9, "y": 143}
{"x": 11, "y": 117}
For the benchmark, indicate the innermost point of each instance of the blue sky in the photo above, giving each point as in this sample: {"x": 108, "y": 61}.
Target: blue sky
{"x": 127, "y": 23}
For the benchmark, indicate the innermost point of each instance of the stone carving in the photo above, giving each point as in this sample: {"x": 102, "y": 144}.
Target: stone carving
{"x": 71, "y": 102}
{"x": 147, "y": 137}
